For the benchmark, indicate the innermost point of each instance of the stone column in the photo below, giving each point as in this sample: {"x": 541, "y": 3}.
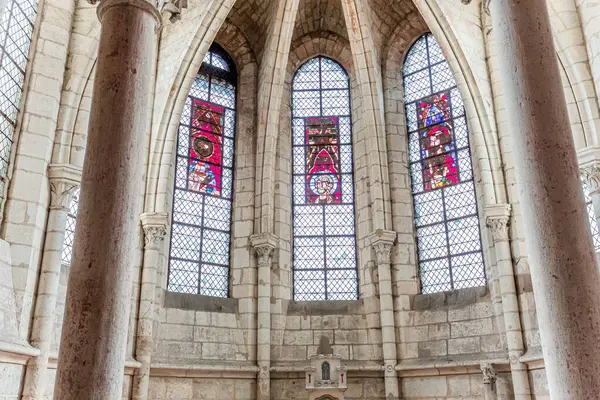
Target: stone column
{"x": 589, "y": 162}
{"x": 64, "y": 179}
{"x": 92, "y": 349}
{"x": 498, "y": 219}
{"x": 264, "y": 245}
{"x": 566, "y": 279}
{"x": 382, "y": 242}
{"x": 489, "y": 382}
{"x": 155, "y": 230}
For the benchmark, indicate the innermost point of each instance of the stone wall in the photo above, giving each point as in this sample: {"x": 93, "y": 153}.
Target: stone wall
{"x": 169, "y": 388}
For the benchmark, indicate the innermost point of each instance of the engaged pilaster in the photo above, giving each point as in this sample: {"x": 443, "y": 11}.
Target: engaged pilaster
{"x": 264, "y": 245}
{"x": 155, "y": 231}
{"x": 64, "y": 180}
{"x": 498, "y": 220}
{"x": 382, "y": 242}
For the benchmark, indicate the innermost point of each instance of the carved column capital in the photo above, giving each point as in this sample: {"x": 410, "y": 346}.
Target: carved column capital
{"x": 264, "y": 245}
{"x": 64, "y": 180}
{"x": 498, "y": 221}
{"x": 171, "y": 9}
{"x": 155, "y": 228}
{"x": 489, "y": 373}
{"x": 590, "y": 175}
{"x": 382, "y": 242}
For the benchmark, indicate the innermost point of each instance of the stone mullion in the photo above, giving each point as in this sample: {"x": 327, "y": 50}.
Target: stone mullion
{"x": 564, "y": 269}
{"x": 264, "y": 246}
{"x": 94, "y": 335}
{"x": 382, "y": 242}
{"x": 64, "y": 180}
{"x": 155, "y": 230}
{"x": 498, "y": 219}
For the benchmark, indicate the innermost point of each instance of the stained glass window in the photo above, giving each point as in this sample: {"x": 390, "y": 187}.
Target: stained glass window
{"x": 324, "y": 244}
{"x": 445, "y": 205}
{"x": 591, "y": 217}
{"x": 67, "y": 251}
{"x": 16, "y": 27}
{"x": 201, "y": 232}
{"x": 325, "y": 371}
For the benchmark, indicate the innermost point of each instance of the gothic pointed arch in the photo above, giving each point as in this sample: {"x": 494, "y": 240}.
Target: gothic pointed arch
{"x": 324, "y": 239}
{"x": 202, "y": 197}
{"x": 444, "y": 199}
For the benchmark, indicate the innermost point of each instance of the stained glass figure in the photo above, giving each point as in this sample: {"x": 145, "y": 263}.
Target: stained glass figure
{"x": 591, "y": 217}
{"x": 324, "y": 244}
{"x": 325, "y": 371}
{"x": 201, "y": 234}
{"x": 16, "y": 27}
{"x": 67, "y": 251}
{"x": 445, "y": 205}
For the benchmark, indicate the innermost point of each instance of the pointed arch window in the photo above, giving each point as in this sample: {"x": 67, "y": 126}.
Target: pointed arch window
{"x": 201, "y": 230}
{"x": 445, "y": 205}
{"x": 16, "y": 28}
{"x": 324, "y": 242}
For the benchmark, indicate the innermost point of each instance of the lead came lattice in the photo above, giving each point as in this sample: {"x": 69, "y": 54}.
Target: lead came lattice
{"x": 445, "y": 205}
{"x": 323, "y": 184}
{"x": 201, "y": 234}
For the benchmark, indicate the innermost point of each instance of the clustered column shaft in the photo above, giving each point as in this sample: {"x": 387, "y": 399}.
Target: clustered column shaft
{"x": 264, "y": 246}
{"x": 382, "y": 242}
{"x": 64, "y": 180}
{"x": 155, "y": 230}
{"x": 94, "y": 337}
{"x": 498, "y": 218}
{"x": 564, "y": 271}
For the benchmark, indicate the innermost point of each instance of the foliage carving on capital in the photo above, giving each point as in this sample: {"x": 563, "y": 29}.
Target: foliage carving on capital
{"x": 174, "y": 8}
{"x": 499, "y": 227}
{"x": 155, "y": 228}
{"x": 590, "y": 175}
{"x": 382, "y": 242}
{"x": 264, "y": 245}
{"x": 154, "y": 235}
{"x": 489, "y": 373}
{"x": 64, "y": 180}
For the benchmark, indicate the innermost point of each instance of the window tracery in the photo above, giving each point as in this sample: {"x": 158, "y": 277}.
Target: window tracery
{"x": 445, "y": 206}
{"x": 591, "y": 216}
{"x": 201, "y": 230}
{"x": 324, "y": 242}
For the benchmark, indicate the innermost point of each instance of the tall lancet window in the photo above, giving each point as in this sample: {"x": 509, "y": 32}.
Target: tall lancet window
{"x": 67, "y": 251}
{"x": 445, "y": 205}
{"x": 201, "y": 232}
{"x": 324, "y": 243}
{"x": 16, "y": 27}
{"x": 591, "y": 216}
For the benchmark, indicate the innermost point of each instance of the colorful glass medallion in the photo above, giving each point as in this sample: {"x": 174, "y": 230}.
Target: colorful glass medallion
{"x": 206, "y": 142}
{"x": 439, "y": 160}
{"x": 323, "y": 181}
{"x": 434, "y": 110}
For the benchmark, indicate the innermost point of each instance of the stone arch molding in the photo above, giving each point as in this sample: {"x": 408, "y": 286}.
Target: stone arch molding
{"x": 474, "y": 91}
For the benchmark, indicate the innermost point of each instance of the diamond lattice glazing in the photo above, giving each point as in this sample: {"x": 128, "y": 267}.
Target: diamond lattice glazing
{"x": 323, "y": 193}
{"x": 201, "y": 234}
{"x": 445, "y": 205}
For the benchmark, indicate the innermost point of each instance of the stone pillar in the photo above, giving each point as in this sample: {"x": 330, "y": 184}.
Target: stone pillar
{"x": 264, "y": 245}
{"x": 589, "y": 163}
{"x": 566, "y": 279}
{"x": 155, "y": 230}
{"x": 489, "y": 382}
{"x": 64, "y": 179}
{"x": 382, "y": 242}
{"x": 94, "y": 337}
{"x": 498, "y": 219}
